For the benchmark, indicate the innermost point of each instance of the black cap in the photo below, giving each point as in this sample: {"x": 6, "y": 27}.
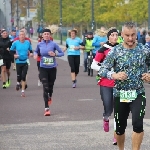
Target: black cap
{"x": 90, "y": 33}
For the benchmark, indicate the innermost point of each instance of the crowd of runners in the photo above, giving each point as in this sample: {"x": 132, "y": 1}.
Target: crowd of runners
{"x": 121, "y": 59}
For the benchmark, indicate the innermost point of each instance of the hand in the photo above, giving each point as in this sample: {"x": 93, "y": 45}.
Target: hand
{"x": 146, "y": 77}
{"x": 119, "y": 76}
{"x": 35, "y": 57}
{"x": 16, "y": 56}
{"x": 64, "y": 49}
{"x": 51, "y": 53}
{"x": 31, "y": 55}
{"x": 8, "y": 49}
{"x": 102, "y": 43}
{"x": 76, "y": 48}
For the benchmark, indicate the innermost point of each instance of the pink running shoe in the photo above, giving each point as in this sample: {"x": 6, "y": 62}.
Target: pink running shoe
{"x": 114, "y": 141}
{"x": 106, "y": 125}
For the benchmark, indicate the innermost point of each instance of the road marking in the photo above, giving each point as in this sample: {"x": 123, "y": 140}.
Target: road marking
{"x": 85, "y": 100}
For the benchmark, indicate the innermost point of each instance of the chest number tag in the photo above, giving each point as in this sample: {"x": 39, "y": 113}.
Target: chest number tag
{"x": 72, "y": 47}
{"x": 48, "y": 61}
{"x": 127, "y": 96}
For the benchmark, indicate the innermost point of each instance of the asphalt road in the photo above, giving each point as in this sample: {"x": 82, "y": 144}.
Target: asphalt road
{"x": 76, "y": 115}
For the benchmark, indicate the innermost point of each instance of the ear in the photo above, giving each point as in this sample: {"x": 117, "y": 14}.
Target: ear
{"x": 121, "y": 33}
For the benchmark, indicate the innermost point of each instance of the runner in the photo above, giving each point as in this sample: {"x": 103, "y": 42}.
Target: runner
{"x": 128, "y": 60}
{"x": 12, "y": 37}
{"x": 106, "y": 85}
{"x": 21, "y": 50}
{"x": 6, "y": 57}
{"x": 46, "y": 49}
{"x": 88, "y": 47}
{"x": 73, "y": 51}
{"x": 28, "y": 61}
{"x": 40, "y": 38}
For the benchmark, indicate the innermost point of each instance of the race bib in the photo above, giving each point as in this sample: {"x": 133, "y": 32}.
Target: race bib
{"x": 71, "y": 47}
{"x": 1, "y": 62}
{"x": 48, "y": 61}
{"x": 127, "y": 96}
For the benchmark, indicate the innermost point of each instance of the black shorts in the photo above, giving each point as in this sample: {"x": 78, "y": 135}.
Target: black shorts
{"x": 74, "y": 62}
{"x": 122, "y": 110}
{"x": 7, "y": 63}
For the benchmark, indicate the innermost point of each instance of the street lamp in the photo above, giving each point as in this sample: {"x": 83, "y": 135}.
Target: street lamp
{"x": 149, "y": 14}
{"x": 92, "y": 12}
{"x": 42, "y": 12}
{"x": 60, "y": 25}
{"x": 17, "y": 14}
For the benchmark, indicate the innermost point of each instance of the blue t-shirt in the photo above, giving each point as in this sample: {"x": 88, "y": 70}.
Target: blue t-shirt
{"x": 76, "y": 42}
{"x": 22, "y": 49}
{"x": 96, "y": 42}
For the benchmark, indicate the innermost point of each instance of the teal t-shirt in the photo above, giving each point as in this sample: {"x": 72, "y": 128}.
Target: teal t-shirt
{"x": 71, "y": 44}
{"x": 22, "y": 49}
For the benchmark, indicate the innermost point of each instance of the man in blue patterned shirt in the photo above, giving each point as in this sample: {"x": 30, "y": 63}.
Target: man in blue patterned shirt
{"x": 128, "y": 60}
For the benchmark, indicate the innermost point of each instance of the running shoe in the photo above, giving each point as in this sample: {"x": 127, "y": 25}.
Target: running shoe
{"x": 114, "y": 141}
{"x": 39, "y": 83}
{"x": 106, "y": 125}
{"x": 74, "y": 85}
{"x": 47, "y": 112}
{"x": 22, "y": 94}
{"x": 18, "y": 86}
{"x": 8, "y": 83}
{"x": 4, "y": 86}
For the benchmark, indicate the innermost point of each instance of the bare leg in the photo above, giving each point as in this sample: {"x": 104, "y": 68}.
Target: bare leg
{"x": 73, "y": 76}
{"x": 137, "y": 140}
{"x": 3, "y": 74}
{"x": 23, "y": 85}
{"x": 120, "y": 141}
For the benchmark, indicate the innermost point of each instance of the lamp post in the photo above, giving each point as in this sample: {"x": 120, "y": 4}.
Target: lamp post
{"x": 42, "y": 12}
{"x": 28, "y": 8}
{"x": 60, "y": 4}
{"x": 149, "y": 14}
{"x": 92, "y": 12}
{"x": 17, "y": 14}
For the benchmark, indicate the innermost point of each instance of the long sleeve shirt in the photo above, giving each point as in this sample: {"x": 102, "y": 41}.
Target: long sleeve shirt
{"x": 43, "y": 48}
{"x": 130, "y": 61}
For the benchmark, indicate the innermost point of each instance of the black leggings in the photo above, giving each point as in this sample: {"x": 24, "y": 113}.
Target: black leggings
{"x": 122, "y": 110}
{"x": 22, "y": 70}
{"x": 74, "y": 62}
{"x": 107, "y": 98}
{"x": 48, "y": 77}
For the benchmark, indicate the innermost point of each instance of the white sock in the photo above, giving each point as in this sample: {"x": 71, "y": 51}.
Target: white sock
{"x": 46, "y": 109}
{"x": 18, "y": 83}
{"x": 22, "y": 91}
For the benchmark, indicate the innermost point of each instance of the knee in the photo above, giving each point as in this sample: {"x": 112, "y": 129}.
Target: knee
{"x": 3, "y": 69}
{"x": 19, "y": 78}
{"x": 24, "y": 79}
{"x": 72, "y": 69}
{"x": 138, "y": 127}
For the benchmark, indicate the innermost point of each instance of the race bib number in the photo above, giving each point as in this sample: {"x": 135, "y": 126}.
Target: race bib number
{"x": 1, "y": 62}
{"x": 71, "y": 47}
{"x": 127, "y": 96}
{"x": 48, "y": 61}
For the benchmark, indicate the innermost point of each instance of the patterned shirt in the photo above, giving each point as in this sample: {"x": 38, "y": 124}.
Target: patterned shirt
{"x": 130, "y": 61}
